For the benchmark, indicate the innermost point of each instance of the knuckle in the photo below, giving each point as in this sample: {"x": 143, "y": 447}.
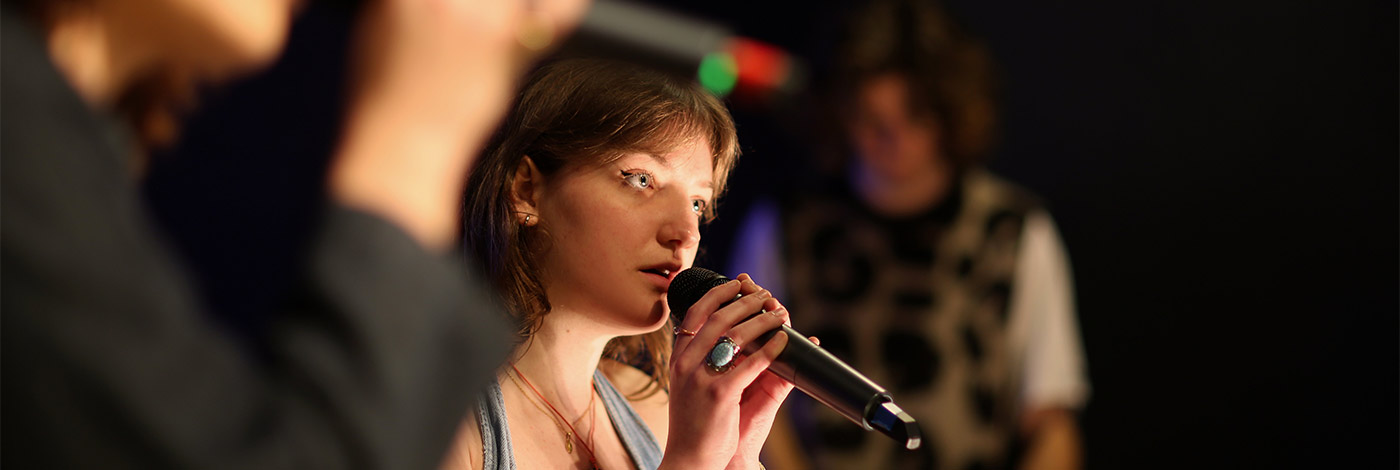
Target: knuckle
{"x": 717, "y": 391}
{"x": 693, "y": 310}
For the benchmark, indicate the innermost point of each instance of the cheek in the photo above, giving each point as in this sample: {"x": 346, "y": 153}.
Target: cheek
{"x": 588, "y": 231}
{"x": 919, "y": 140}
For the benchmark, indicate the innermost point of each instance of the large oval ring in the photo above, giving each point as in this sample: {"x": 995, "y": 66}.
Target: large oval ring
{"x": 721, "y": 357}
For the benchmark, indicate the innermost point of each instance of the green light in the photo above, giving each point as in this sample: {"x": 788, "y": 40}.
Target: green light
{"x": 718, "y": 72}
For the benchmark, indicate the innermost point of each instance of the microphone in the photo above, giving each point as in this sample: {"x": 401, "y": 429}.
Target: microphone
{"x": 721, "y": 61}
{"x": 691, "y": 48}
{"x": 813, "y": 370}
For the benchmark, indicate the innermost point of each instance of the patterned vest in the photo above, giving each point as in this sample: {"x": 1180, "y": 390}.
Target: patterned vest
{"x": 919, "y": 305}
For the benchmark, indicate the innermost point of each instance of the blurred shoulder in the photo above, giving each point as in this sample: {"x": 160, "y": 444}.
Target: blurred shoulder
{"x": 984, "y": 187}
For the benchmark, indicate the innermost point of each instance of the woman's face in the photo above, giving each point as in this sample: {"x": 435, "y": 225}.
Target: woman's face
{"x": 889, "y": 139}
{"x": 621, "y": 231}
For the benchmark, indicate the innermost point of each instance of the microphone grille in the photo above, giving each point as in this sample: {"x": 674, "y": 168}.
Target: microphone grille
{"x": 688, "y": 287}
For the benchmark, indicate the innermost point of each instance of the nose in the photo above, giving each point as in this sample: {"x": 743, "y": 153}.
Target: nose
{"x": 680, "y": 230}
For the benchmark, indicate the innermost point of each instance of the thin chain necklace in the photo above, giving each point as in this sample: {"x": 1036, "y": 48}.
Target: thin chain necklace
{"x": 568, "y": 435}
{"x": 571, "y": 433}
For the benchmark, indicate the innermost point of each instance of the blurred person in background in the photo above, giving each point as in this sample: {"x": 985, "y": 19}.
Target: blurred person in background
{"x": 938, "y": 280}
{"x": 586, "y": 206}
{"x": 110, "y": 359}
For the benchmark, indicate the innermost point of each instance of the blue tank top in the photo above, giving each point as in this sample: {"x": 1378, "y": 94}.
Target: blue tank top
{"x": 636, "y": 436}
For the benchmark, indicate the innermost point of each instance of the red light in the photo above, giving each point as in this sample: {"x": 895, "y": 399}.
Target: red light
{"x": 761, "y": 66}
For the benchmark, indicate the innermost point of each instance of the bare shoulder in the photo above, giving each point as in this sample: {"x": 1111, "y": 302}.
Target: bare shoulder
{"x": 653, "y": 407}
{"x": 466, "y": 453}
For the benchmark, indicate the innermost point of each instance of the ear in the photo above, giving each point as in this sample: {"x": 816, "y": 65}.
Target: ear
{"x": 526, "y": 189}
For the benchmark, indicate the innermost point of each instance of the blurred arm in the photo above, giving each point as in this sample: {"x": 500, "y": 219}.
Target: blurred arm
{"x": 1052, "y": 438}
{"x": 1043, "y": 324}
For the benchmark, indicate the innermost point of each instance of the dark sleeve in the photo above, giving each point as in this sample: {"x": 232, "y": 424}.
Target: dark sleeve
{"x": 110, "y": 361}
{"x": 110, "y": 366}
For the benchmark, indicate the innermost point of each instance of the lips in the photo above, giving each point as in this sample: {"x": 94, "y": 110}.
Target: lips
{"x": 665, "y": 270}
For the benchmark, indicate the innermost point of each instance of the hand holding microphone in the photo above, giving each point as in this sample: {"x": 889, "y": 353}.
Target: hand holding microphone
{"x": 724, "y": 405}
{"x": 800, "y": 361}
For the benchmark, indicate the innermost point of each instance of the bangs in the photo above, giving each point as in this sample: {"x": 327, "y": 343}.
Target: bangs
{"x": 604, "y": 114}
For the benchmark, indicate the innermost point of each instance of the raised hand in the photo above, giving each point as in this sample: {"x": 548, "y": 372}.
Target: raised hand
{"x": 720, "y": 418}
{"x": 431, "y": 80}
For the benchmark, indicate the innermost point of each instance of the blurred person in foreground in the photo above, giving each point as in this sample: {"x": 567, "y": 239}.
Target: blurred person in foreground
{"x": 581, "y": 213}
{"x": 940, "y": 281}
{"x": 109, "y": 360}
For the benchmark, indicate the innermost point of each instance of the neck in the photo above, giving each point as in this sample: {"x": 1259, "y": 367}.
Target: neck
{"x": 905, "y": 194}
{"x": 91, "y": 51}
{"x": 560, "y": 358}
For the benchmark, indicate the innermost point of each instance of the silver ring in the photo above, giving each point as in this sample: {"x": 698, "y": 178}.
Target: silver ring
{"x": 721, "y": 357}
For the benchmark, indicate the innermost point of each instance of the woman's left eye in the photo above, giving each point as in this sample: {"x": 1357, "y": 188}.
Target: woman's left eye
{"x": 637, "y": 179}
{"x": 698, "y": 206}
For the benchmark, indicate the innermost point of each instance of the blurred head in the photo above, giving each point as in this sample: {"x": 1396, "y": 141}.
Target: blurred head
{"x": 616, "y": 167}
{"x": 912, "y": 88}
{"x": 162, "y": 48}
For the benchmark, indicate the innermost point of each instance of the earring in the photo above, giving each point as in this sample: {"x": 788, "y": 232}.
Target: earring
{"x": 527, "y": 220}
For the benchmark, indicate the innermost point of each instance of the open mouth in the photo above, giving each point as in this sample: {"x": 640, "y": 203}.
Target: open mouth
{"x": 666, "y": 273}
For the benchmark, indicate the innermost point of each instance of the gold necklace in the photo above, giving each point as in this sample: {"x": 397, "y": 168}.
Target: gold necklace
{"x": 558, "y": 418}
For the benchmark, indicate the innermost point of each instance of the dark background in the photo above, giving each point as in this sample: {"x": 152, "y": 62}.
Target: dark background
{"x": 1223, "y": 173}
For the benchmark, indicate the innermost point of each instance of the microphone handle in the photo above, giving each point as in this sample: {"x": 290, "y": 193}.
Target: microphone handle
{"x": 822, "y": 376}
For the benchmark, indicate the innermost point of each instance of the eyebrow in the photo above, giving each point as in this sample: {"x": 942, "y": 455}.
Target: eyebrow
{"x": 660, "y": 159}
{"x": 707, "y": 184}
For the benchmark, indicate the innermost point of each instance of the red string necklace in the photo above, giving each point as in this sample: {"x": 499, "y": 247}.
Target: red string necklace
{"x": 592, "y": 457}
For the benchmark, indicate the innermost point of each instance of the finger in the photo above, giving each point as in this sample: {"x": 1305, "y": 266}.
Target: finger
{"x": 815, "y": 340}
{"x": 724, "y": 319}
{"x": 773, "y": 305}
{"x": 700, "y": 312}
{"x": 745, "y": 372}
{"x": 748, "y": 285}
{"x": 768, "y": 387}
{"x": 708, "y": 303}
{"x": 750, "y": 330}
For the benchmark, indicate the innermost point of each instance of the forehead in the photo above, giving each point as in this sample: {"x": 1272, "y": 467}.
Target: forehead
{"x": 689, "y": 157}
{"x": 888, "y": 91}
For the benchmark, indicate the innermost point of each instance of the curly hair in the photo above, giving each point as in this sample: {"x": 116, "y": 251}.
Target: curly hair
{"x": 949, "y": 73}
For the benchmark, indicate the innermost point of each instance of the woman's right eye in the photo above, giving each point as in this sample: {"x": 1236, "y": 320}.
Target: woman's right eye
{"x": 637, "y": 179}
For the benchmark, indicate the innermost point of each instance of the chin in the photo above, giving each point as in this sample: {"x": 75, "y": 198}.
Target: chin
{"x": 659, "y": 314}
{"x": 654, "y": 318}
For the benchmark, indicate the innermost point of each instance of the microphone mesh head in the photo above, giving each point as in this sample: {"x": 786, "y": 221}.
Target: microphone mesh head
{"x": 688, "y": 287}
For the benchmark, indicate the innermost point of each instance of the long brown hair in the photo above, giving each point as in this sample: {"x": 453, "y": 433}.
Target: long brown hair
{"x": 569, "y": 114}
